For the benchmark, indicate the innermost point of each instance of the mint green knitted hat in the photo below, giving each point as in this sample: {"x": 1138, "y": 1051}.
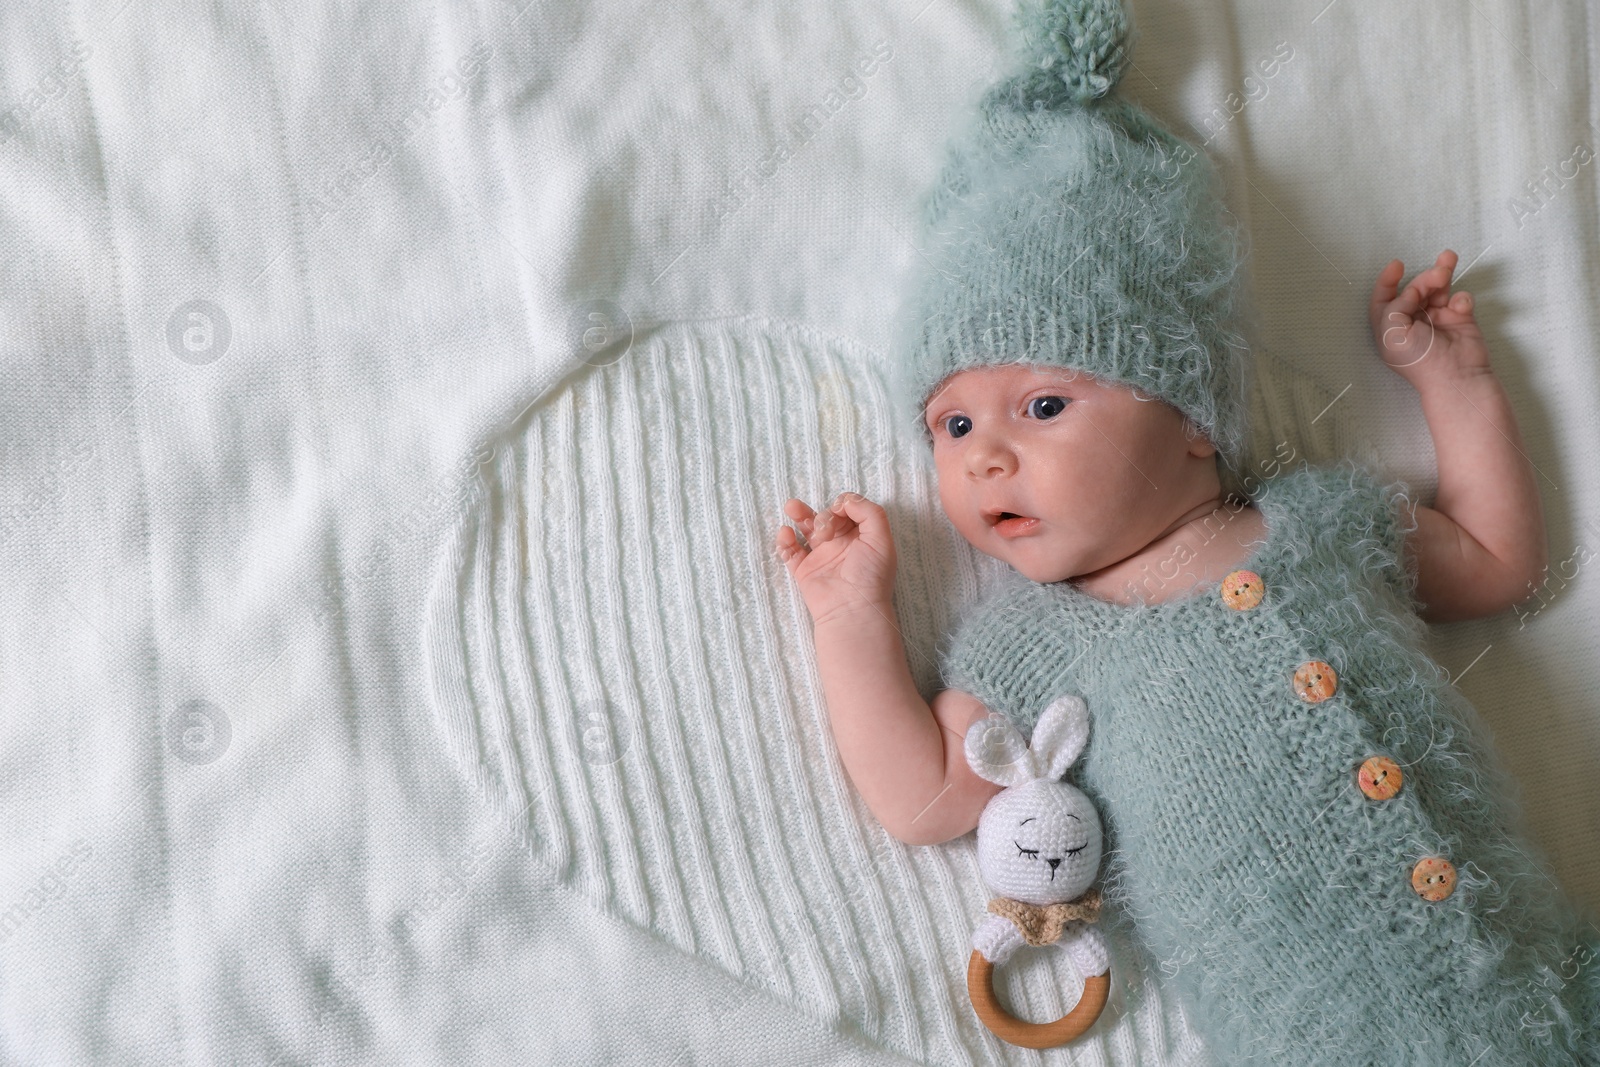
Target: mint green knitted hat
{"x": 1067, "y": 227}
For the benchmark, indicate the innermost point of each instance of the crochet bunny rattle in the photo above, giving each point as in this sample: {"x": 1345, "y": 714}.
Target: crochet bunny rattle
{"x": 1039, "y": 848}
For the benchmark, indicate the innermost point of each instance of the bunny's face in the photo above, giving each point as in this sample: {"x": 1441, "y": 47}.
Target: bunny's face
{"x": 1039, "y": 842}
{"x": 1038, "y": 838}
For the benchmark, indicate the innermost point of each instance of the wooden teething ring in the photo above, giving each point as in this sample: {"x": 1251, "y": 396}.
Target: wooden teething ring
{"x": 1009, "y": 1028}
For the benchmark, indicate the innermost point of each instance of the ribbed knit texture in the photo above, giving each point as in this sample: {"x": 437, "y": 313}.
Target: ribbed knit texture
{"x": 1070, "y": 228}
{"x": 1273, "y": 893}
{"x": 624, "y": 667}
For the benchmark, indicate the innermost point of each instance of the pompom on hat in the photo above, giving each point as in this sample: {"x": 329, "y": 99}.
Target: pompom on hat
{"x": 1067, "y": 227}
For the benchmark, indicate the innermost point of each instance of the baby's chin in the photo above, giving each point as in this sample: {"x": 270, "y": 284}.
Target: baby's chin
{"x": 1044, "y": 575}
{"x": 1037, "y": 568}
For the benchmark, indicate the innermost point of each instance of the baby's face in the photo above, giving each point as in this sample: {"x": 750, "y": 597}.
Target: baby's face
{"x": 1094, "y": 472}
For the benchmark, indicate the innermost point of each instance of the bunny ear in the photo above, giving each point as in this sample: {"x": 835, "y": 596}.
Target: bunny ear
{"x": 997, "y": 752}
{"x": 1060, "y": 734}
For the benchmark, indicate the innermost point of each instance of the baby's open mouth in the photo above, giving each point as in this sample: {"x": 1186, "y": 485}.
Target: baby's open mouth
{"x": 1009, "y": 524}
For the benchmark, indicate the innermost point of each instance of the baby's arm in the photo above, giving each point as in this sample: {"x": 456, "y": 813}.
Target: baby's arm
{"x": 1481, "y": 547}
{"x": 906, "y": 758}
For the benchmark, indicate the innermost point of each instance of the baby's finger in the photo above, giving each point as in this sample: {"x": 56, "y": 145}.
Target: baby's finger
{"x": 829, "y": 524}
{"x": 801, "y": 513}
{"x": 1387, "y": 285}
{"x": 872, "y": 519}
{"x": 789, "y": 548}
{"x": 1434, "y": 283}
{"x": 1384, "y": 290}
{"x": 1408, "y": 303}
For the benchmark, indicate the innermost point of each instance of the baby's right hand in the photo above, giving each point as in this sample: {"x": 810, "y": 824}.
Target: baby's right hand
{"x": 849, "y": 564}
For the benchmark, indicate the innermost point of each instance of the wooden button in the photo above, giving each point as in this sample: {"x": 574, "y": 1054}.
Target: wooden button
{"x": 1242, "y": 590}
{"x": 1314, "y": 681}
{"x": 1380, "y": 778}
{"x": 1434, "y": 878}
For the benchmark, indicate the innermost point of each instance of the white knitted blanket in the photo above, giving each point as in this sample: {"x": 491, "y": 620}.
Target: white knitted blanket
{"x": 397, "y": 411}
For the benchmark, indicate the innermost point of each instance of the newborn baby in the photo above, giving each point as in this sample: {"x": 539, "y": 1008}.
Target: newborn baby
{"x": 1305, "y": 825}
{"x": 1114, "y": 498}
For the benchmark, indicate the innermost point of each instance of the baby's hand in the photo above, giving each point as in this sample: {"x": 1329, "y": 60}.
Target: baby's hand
{"x": 850, "y": 563}
{"x": 1424, "y": 332}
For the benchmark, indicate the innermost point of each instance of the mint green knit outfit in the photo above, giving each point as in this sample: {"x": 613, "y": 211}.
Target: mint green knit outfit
{"x": 1273, "y": 895}
{"x": 1068, "y": 228}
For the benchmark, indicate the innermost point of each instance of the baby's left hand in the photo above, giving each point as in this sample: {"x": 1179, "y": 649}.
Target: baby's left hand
{"x": 1424, "y": 333}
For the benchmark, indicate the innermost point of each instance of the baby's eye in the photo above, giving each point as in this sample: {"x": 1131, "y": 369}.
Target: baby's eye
{"x": 1047, "y": 407}
{"x": 958, "y": 425}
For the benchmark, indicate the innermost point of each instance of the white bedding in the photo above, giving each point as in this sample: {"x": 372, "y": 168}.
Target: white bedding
{"x": 395, "y": 673}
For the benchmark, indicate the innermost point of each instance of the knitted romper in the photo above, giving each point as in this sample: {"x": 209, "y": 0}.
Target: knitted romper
{"x": 1275, "y": 895}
